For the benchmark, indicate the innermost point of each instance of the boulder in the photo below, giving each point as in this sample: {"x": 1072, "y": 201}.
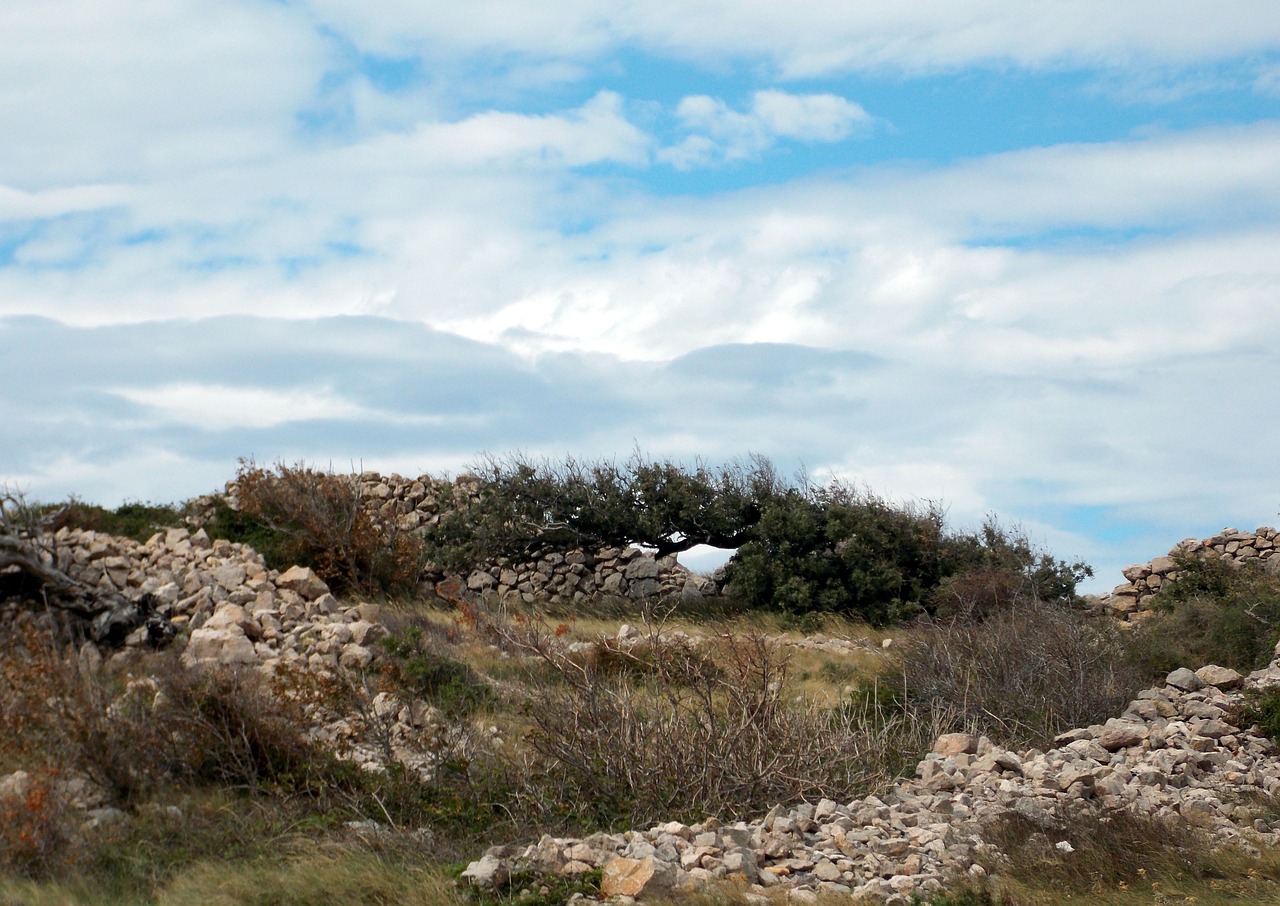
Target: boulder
{"x": 303, "y": 581}
{"x": 637, "y": 877}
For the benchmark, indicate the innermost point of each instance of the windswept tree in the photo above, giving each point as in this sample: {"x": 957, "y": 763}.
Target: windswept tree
{"x": 519, "y": 506}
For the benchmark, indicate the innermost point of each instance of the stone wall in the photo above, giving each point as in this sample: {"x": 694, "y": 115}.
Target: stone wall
{"x": 579, "y": 577}
{"x": 1131, "y": 600}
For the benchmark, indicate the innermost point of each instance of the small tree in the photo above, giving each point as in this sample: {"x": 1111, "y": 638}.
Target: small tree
{"x": 840, "y": 549}
{"x": 519, "y": 507}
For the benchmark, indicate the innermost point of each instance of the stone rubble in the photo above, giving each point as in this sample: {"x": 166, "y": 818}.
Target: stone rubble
{"x": 229, "y": 609}
{"x": 1174, "y": 753}
{"x": 1131, "y": 599}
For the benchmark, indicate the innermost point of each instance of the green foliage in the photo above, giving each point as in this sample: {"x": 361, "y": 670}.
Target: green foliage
{"x": 838, "y": 549}
{"x": 995, "y": 570}
{"x": 1262, "y": 707}
{"x": 521, "y": 506}
{"x": 1215, "y": 613}
{"x": 425, "y": 672}
{"x": 135, "y": 519}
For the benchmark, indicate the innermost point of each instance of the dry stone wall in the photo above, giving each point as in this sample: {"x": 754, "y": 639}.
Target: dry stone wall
{"x": 1131, "y": 600}
{"x": 578, "y": 577}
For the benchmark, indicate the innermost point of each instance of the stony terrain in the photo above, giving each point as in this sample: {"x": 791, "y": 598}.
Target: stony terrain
{"x": 1174, "y": 752}
{"x": 1132, "y": 598}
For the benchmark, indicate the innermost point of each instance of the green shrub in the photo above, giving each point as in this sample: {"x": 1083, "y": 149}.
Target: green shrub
{"x": 135, "y": 520}
{"x": 837, "y": 549}
{"x": 1215, "y": 613}
{"x": 423, "y": 671}
{"x": 1262, "y": 707}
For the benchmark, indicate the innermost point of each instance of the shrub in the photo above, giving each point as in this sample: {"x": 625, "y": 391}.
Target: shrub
{"x": 1215, "y": 613}
{"x": 1114, "y": 849}
{"x": 130, "y": 735}
{"x": 1020, "y": 677}
{"x": 516, "y": 507}
{"x": 318, "y": 519}
{"x": 422, "y": 670}
{"x": 678, "y": 739}
{"x": 36, "y": 835}
{"x": 839, "y": 549}
{"x": 132, "y": 519}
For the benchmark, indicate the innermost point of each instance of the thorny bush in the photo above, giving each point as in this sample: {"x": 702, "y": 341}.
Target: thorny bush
{"x": 1020, "y": 677}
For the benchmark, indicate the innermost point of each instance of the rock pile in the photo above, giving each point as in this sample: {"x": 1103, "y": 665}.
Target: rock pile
{"x": 1175, "y": 752}
{"x": 229, "y": 609}
{"x": 1130, "y": 599}
{"x": 234, "y": 609}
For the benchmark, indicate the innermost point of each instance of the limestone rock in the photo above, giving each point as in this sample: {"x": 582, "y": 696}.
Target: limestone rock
{"x": 304, "y": 581}
{"x": 637, "y": 877}
{"x": 955, "y": 744}
{"x": 1224, "y": 678}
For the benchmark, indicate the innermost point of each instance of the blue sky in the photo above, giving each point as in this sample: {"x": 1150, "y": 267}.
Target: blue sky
{"x": 1017, "y": 258}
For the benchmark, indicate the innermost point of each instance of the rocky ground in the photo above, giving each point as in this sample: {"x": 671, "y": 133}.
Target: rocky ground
{"x": 1174, "y": 754}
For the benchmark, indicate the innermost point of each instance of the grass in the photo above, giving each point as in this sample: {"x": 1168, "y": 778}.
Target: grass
{"x": 281, "y": 838}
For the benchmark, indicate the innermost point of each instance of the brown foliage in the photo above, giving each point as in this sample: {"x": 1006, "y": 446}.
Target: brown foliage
{"x": 1021, "y": 676}
{"x": 692, "y": 730}
{"x": 321, "y": 520}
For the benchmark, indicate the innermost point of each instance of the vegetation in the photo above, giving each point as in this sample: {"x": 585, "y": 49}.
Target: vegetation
{"x": 1019, "y": 677}
{"x": 1216, "y": 613}
{"x": 217, "y": 789}
{"x": 298, "y": 514}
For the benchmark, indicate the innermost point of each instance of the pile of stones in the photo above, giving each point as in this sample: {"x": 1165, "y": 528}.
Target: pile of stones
{"x": 1131, "y": 600}
{"x": 228, "y": 609}
{"x": 1174, "y": 753}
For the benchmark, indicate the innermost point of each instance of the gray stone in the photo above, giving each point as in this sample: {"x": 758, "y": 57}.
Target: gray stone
{"x": 1184, "y": 679}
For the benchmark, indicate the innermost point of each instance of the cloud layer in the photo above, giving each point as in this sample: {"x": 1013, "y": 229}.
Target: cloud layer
{"x": 401, "y": 236}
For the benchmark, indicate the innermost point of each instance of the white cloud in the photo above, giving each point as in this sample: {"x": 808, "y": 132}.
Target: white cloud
{"x": 826, "y": 36}
{"x": 108, "y": 91}
{"x": 218, "y": 407}
{"x": 597, "y": 131}
{"x": 723, "y": 133}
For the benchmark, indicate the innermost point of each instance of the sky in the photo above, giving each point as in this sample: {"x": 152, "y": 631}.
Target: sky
{"x": 1013, "y": 258}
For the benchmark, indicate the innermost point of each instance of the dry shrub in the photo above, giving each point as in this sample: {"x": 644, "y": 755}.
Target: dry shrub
{"x": 321, "y": 520}
{"x": 978, "y": 594}
{"x": 131, "y": 735}
{"x": 36, "y": 835}
{"x": 1022, "y": 676}
{"x": 676, "y": 738}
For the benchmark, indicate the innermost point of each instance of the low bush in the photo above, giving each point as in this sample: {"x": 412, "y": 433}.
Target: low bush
{"x": 132, "y": 519}
{"x": 1215, "y": 613}
{"x": 1020, "y": 677}
{"x": 677, "y": 739}
{"x": 37, "y": 839}
{"x": 297, "y": 514}
{"x": 130, "y": 736}
{"x": 420, "y": 669}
